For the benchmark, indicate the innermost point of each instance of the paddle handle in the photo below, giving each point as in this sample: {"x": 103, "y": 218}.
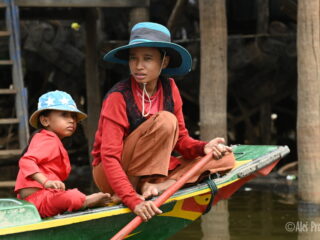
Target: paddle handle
{"x": 164, "y": 196}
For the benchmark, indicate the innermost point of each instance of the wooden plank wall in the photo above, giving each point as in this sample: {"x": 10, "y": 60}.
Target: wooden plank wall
{"x": 80, "y": 3}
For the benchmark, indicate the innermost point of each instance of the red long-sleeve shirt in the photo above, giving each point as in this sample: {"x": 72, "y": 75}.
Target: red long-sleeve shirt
{"x": 46, "y": 154}
{"x": 113, "y": 128}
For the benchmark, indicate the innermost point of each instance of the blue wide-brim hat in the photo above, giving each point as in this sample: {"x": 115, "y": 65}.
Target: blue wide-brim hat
{"x": 149, "y": 34}
{"x": 55, "y": 100}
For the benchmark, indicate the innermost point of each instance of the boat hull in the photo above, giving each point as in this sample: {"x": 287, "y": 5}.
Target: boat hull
{"x": 178, "y": 212}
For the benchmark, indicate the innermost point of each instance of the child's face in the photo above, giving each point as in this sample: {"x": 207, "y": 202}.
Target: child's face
{"x": 145, "y": 64}
{"x": 62, "y": 123}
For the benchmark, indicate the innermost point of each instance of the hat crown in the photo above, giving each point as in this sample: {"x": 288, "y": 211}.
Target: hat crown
{"x": 56, "y": 100}
{"x": 149, "y": 32}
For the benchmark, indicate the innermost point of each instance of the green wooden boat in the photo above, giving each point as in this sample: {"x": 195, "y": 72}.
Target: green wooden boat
{"x": 20, "y": 220}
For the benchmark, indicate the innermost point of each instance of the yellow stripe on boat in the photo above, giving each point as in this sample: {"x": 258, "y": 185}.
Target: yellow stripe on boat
{"x": 62, "y": 222}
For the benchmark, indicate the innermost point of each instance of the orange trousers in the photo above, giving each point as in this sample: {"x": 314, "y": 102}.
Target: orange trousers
{"x": 147, "y": 151}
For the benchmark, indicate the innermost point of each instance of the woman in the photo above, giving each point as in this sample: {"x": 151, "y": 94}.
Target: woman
{"x": 141, "y": 123}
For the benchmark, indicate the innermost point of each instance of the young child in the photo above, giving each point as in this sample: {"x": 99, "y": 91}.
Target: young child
{"x": 45, "y": 164}
{"x": 141, "y": 123}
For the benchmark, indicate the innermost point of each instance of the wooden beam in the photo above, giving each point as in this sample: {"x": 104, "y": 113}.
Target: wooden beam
{"x": 45, "y": 14}
{"x": 214, "y": 80}
{"x": 92, "y": 78}
{"x": 265, "y": 123}
{"x": 262, "y": 16}
{"x": 9, "y": 121}
{"x": 308, "y": 112}
{"x": 7, "y": 153}
{"x": 80, "y": 3}
{"x": 4, "y": 34}
{"x": 138, "y": 15}
{"x": 175, "y": 14}
{"x": 6, "y": 62}
{"x": 7, "y": 91}
{"x": 7, "y": 183}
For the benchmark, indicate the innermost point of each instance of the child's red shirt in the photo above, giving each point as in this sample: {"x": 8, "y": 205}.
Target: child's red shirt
{"x": 45, "y": 154}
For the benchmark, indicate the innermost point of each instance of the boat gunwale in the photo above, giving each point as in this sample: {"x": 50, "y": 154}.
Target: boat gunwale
{"x": 102, "y": 212}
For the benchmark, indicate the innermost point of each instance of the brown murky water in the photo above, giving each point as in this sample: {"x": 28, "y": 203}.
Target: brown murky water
{"x": 254, "y": 215}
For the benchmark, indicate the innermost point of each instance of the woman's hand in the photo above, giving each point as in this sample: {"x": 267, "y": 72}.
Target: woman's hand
{"x": 146, "y": 210}
{"x": 217, "y": 147}
{"x": 54, "y": 184}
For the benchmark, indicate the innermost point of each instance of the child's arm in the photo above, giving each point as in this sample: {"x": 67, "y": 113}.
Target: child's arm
{"x": 46, "y": 183}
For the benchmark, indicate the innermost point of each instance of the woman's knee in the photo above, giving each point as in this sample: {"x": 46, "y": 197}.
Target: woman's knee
{"x": 167, "y": 121}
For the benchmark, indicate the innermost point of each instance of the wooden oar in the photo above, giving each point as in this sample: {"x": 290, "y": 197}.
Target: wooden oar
{"x": 164, "y": 196}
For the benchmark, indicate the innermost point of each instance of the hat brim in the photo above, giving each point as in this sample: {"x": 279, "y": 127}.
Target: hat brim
{"x": 33, "y": 120}
{"x": 180, "y": 59}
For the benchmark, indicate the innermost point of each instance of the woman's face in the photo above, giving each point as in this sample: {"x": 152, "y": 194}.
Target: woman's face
{"x": 145, "y": 64}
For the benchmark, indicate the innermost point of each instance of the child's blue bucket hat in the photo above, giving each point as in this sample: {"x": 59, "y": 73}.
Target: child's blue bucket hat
{"x": 55, "y": 100}
{"x": 149, "y": 34}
